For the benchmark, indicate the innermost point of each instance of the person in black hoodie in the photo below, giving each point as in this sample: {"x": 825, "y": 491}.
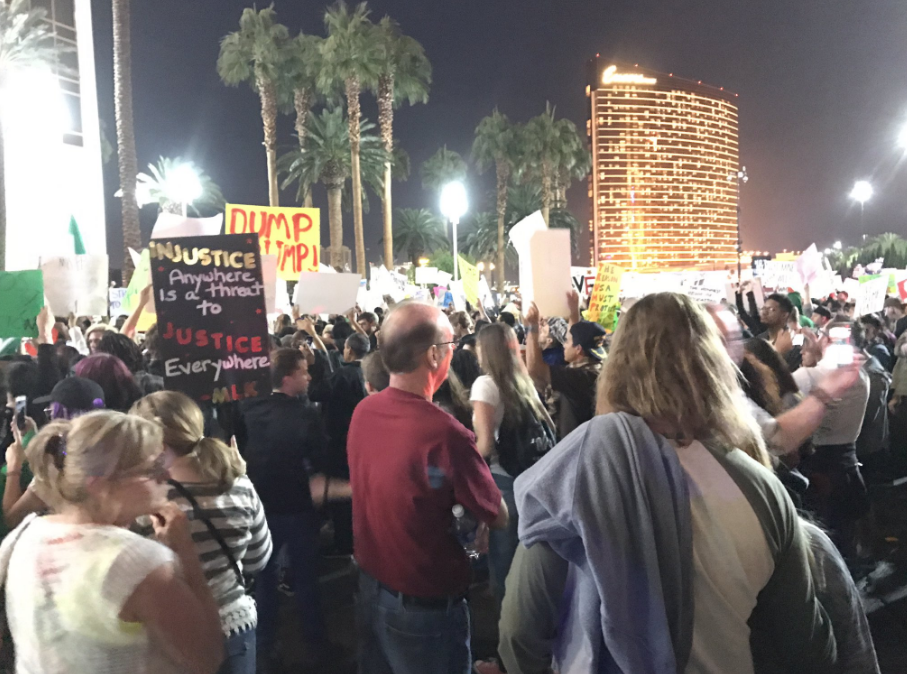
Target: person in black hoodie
{"x": 282, "y": 439}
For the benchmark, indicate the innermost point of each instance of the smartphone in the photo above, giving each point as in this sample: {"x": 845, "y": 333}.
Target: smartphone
{"x": 21, "y": 406}
{"x": 840, "y": 350}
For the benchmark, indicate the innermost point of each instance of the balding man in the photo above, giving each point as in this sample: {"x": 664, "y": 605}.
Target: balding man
{"x": 410, "y": 463}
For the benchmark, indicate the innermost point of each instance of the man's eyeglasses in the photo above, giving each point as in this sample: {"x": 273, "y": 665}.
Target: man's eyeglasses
{"x": 456, "y": 341}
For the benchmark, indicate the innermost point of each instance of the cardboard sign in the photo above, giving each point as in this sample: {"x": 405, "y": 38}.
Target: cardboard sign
{"x": 583, "y": 280}
{"x": 318, "y": 293}
{"x": 871, "y": 295}
{"x": 520, "y": 235}
{"x": 292, "y": 234}
{"x": 76, "y": 284}
{"x": 708, "y": 287}
{"x": 170, "y": 226}
{"x": 115, "y": 299}
{"x": 777, "y": 274}
{"x": 426, "y": 275}
{"x": 469, "y": 274}
{"x": 809, "y": 264}
{"x": 141, "y": 277}
{"x": 457, "y": 295}
{"x": 21, "y": 299}
{"x": 213, "y": 325}
{"x": 604, "y": 303}
{"x": 549, "y": 252}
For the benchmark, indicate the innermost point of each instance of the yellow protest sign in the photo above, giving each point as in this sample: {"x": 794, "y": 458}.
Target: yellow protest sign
{"x": 141, "y": 277}
{"x": 292, "y": 234}
{"x": 604, "y": 302}
{"x": 470, "y": 275}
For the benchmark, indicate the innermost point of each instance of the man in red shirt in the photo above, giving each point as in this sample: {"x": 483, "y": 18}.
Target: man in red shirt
{"x": 410, "y": 463}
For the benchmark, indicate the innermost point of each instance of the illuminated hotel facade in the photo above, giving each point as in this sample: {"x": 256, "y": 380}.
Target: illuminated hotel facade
{"x": 664, "y": 162}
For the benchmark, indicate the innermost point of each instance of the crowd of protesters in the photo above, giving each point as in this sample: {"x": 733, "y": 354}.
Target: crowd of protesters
{"x": 691, "y": 493}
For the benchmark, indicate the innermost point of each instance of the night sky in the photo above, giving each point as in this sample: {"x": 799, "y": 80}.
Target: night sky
{"x": 823, "y": 94}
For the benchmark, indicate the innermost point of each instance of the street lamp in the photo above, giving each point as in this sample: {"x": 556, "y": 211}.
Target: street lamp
{"x": 182, "y": 186}
{"x": 902, "y": 137}
{"x": 861, "y": 193}
{"x": 741, "y": 178}
{"x": 453, "y": 206}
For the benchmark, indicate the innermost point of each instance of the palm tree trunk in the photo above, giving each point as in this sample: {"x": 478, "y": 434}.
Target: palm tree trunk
{"x": 353, "y": 111}
{"x": 546, "y": 191}
{"x": 503, "y": 178}
{"x": 386, "y": 121}
{"x": 268, "y": 94}
{"x": 302, "y": 101}
{"x": 335, "y": 217}
{"x": 2, "y": 194}
{"x": 128, "y": 164}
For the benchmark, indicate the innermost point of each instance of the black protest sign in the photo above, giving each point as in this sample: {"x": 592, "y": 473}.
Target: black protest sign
{"x": 210, "y": 303}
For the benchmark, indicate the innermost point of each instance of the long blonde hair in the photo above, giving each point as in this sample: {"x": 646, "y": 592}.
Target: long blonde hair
{"x": 500, "y": 360}
{"x": 66, "y": 454}
{"x": 668, "y": 365}
{"x": 184, "y": 433}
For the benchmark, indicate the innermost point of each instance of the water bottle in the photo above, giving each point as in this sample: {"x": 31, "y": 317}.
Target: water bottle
{"x": 465, "y": 528}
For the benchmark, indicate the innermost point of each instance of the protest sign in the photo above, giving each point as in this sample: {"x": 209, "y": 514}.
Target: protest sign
{"x": 549, "y": 254}
{"x": 141, "y": 277}
{"x": 583, "y": 280}
{"x": 520, "y": 235}
{"x": 707, "y": 287}
{"x": 469, "y": 274}
{"x": 170, "y": 226}
{"x": 851, "y": 287}
{"x": 457, "y": 294}
{"x": 443, "y": 278}
{"x": 115, "y": 298}
{"x": 604, "y": 302}
{"x": 269, "y": 278}
{"x": 318, "y": 293}
{"x": 902, "y": 289}
{"x": 870, "y": 296}
{"x": 76, "y": 284}
{"x": 211, "y": 315}
{"x": 21, "y": 299}
{"x": 426, "y": 275}
{"x": 809, "y": 264}
{"x": 777, "y": 274}
{"x": 292, "y": 234}
{"x": 485, "y": 295}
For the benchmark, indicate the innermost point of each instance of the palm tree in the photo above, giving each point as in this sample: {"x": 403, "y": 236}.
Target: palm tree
{"x": 126, "y": 155}
{"x": 155, "y": 186}
{"x": 405, "y": 76}
{"x": 299, "y": 90}
{"x": 497, "y": 144}
{"x": 257, "y": 54}
{"x": 352, "y": 56}
{"x": 326, "y": 158}
{"x": 574, "y": 163}
{"x": 479, "y": 239}
{"x": 442, "y": 167}
{"x": 418, "y": 232}
{"x": 25, "y": 43}
{"x": 544, "y": 146}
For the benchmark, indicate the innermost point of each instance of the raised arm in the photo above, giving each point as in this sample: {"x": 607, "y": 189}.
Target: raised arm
{"x": 537, "y": 367}
{"x": 129, "y": 327}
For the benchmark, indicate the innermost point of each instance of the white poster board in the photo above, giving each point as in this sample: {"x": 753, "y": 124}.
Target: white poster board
{"x": 77, "y": 284}
{"x": 115, "y": 299}
{"x": 870, "y": 297}
{"x": 549, "y": 254}
{"x": 170, "y": 225}
{"x": 318, "y": 293}
{"x": 520, "y": 235}
{"x": 269, "y": 279}
{"x": 426, "y": 275}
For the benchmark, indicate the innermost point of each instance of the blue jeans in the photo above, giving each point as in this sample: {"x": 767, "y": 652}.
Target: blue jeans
{"x": 502, "y": 543}
{"x": 299, "y": 532}
{"x": 240, "y": 653}
{"x": 398, "y": 639}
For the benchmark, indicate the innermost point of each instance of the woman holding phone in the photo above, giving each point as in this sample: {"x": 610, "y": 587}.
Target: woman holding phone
{"x": 83, "y": 593}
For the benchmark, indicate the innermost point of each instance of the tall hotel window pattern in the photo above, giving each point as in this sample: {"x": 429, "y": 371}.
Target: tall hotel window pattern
{"x": 663, "y": 150}
{"x": 61, "y": 18}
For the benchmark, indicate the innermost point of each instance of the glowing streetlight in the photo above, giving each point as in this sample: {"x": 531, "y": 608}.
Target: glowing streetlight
{"x": 423, "y": 261}
{"x": 454, "y": 203}
{"x": 902, "y": 137}
{"x": 182, "y": 186}
{"x": 861, "y": 193}
{"x": 480, "y": 266}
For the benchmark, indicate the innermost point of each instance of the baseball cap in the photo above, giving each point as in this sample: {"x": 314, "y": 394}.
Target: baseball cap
{"x": 75, "y": 393}
{"x": 590, "y": 336}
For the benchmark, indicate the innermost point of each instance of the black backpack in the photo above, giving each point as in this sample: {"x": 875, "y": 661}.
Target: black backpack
{"x": 521, "y": 445}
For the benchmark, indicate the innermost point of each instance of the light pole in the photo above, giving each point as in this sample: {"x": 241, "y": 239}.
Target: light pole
{"x": 861, "y": 192}
{"x": 740, "y": 178}
{"x": 453, "y": 206}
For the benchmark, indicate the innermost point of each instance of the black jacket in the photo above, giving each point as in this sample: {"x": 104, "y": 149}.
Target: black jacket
{"x": 339, "y": 392}
{"x": 283, "y": 442}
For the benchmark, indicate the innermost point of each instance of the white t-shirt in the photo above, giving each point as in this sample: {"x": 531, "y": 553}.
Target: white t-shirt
{"x": 65, "y": 587}
{"x": 731, "y": 564}
{"x": 484, "y": 390}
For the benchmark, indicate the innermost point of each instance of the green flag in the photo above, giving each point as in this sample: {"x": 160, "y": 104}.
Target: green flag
{"x": 78, "y": 244}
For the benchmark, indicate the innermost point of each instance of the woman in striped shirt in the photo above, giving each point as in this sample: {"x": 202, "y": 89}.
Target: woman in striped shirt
{"x": 226, "y": 517}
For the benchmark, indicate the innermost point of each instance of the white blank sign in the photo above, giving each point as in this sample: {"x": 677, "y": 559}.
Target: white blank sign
{"x": 318, "y": 293}
{"x": 76, "y": 284}
{"x": 549, "y": 252}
